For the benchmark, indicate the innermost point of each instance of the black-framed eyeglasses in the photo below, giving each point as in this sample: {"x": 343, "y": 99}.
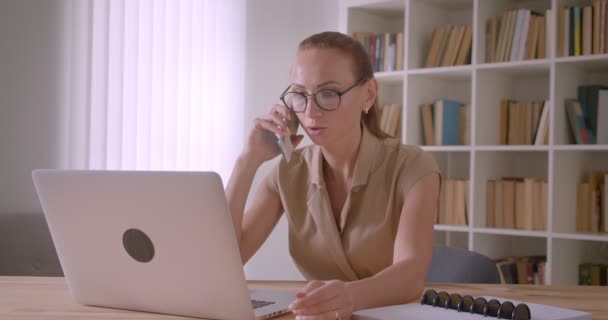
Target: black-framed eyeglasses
{"x": 326, "y": 99}
{"x": 492, "y": 308}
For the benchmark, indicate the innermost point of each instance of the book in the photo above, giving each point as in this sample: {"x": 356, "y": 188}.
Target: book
{"x": 464, "y": 52}
{"x": 447, "y": 122}
{"x": 583, "y": 214}
{"x": 584, "y": 274}
{"x": 436, "y": 40}
{"x": 605, "y": 203}
{"x": 542, "y": 128}
{"x": 499, "y": 205}
{"x": 503, "y": 126}
{"x": 602, "y": 117}
{"x": 420, "y": 311}
{"x": 490, "y": 203}
{"x": 560, "y": 28}
{"x": 545, "y": 34}
{"x": 576, "y": 118}
{"x": 588, "y": 96}
{"x": 568, "y": 31}
{"x": 491, "y": 35}
{"x": 596, "y": 179}
{"x": 586, "y": 31}
{"x": 596, "y": 26}
{"x": 426, "y": 113}
{"x": 577, "y": 18}
{"x": 507, "y": 270}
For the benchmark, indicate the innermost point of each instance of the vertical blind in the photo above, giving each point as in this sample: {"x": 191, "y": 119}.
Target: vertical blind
{"x": 157, "y": 84}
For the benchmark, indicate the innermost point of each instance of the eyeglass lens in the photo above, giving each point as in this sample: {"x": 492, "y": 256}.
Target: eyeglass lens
{"x": 325, "y": 99}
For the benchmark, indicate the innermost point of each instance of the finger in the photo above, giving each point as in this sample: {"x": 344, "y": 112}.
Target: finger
{"x": 279, "y": 120}
{"x": 310, "y": 286}
{"x": 281, "y": 110}
{"x": 320, "y": 308}
{"x": 317, "y": 296}
{"x": 330, "y": 315}
{"x": 270, "y": 126}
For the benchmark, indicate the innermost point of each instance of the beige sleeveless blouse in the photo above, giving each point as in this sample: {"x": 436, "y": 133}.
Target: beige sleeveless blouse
{"x": 361, "y": 243}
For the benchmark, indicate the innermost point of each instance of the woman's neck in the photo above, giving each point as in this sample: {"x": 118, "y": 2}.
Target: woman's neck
{"x": 340, "y": 157}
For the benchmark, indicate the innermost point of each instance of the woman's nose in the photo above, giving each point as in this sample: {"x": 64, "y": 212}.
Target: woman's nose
{"x": 312, "y": 109}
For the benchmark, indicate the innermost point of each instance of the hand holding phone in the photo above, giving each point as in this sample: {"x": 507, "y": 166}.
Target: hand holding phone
{"x": 285, "y": 144}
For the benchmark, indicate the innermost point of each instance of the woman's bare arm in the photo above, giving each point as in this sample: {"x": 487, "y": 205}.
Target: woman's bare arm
{"x": 254, "y": 225}
{"x": 403, "y": 281}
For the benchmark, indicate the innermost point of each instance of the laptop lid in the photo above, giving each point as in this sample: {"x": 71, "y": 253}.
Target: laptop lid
{"x": 151, "y": 241}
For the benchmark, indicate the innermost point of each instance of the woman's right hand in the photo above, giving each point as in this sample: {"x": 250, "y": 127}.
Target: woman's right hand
{"x": 262, "y": 141}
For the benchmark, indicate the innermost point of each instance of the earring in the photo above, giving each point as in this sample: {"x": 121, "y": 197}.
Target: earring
{"x": 366, "y": 110}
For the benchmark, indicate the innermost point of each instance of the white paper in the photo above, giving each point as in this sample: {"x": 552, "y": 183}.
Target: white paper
{"x": 417, "y": 311}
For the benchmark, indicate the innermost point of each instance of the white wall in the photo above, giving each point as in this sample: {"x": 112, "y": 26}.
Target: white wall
{"x": 32, "y": 69}
{"x": 274, "y": 29}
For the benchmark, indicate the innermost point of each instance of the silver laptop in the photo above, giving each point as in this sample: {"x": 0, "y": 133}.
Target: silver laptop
{"x": 159, "y": 242}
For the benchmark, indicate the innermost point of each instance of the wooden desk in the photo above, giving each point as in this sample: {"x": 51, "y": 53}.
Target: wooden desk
{"x": 48, "y": 298}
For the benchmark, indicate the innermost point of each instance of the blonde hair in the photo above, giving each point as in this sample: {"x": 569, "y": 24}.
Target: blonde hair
{"x": 362, "y": 68}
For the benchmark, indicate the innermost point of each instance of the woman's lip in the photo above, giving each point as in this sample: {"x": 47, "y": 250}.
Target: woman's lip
{"x": 316, "y": 131}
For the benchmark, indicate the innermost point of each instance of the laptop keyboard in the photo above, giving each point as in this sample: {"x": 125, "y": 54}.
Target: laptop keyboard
{"x": 259, "y": 303}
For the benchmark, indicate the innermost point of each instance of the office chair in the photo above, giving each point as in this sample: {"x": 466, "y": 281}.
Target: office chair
{"x": 455, "y": 265}
{"x": 26, "y": 247}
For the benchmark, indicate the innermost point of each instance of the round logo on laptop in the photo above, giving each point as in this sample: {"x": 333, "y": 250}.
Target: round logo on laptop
{"x": 138, "y": 245}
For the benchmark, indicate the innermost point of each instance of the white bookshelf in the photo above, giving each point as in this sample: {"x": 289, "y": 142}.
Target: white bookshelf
{"x": 480, "y": 86}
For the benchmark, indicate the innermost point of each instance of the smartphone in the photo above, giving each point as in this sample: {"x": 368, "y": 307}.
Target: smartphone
{"x": 285, "y": 143}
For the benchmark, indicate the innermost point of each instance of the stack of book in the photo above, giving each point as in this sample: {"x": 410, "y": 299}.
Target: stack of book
{"x": 582, "y": 30}
{"x": 385, "y": 49}
{"x": 522, "y": 270}
{"x": 516, "y": 203}
{"x": 454, "y": 202}
{"x": 519, "y": 34}
{"x": 445, "y": 122}
{"x": 591, "y": 203}
{"x": 588, "y": 115}
{"x": 390, "y": 119}
{"x": 523, "y": 122}
{"x": 592, "y": 274}
{"x": 450, "y": 46}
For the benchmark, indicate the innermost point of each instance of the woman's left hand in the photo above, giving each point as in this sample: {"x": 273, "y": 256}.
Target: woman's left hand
{"x": 323, "y": 300}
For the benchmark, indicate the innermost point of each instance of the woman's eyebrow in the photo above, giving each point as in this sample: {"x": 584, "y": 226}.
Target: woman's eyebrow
{"x": 318, "y": 86}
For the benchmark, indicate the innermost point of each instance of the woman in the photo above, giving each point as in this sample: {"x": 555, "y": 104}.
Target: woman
{"x": 360, "y": 205}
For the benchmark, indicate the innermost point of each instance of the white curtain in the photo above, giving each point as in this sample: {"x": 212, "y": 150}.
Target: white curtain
{"x": 157, "y": 84}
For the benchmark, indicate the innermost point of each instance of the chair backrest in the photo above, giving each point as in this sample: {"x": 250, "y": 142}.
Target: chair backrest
{"x": 26, "y": 247}
{"x": 455, "y": 265}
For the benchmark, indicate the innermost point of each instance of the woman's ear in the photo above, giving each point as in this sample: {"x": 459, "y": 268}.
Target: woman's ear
{"x": 371, "y": 87}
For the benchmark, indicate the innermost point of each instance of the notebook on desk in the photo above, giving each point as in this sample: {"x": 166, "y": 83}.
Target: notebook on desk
{"x": 422, "y": 311}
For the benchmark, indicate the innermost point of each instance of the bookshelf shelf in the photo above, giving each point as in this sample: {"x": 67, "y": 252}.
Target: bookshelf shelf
{"x": 498, "y": 148}
{"x": 481, "y": 86}
{"x": 520, "y": 68}
{"x": 601, "y": 237}
{"x": 589, "y": 61}
{"x": 449, "y": 73}
{"x": 447, "y": 148}
{"x": 392, "y": 77}
{"x": 512, "y": 232}
{"x": 445, "y": 227}
{"x": 581, "y": 147}
{"x": 524, "y": 64}
{"x": 383, "y": 6}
